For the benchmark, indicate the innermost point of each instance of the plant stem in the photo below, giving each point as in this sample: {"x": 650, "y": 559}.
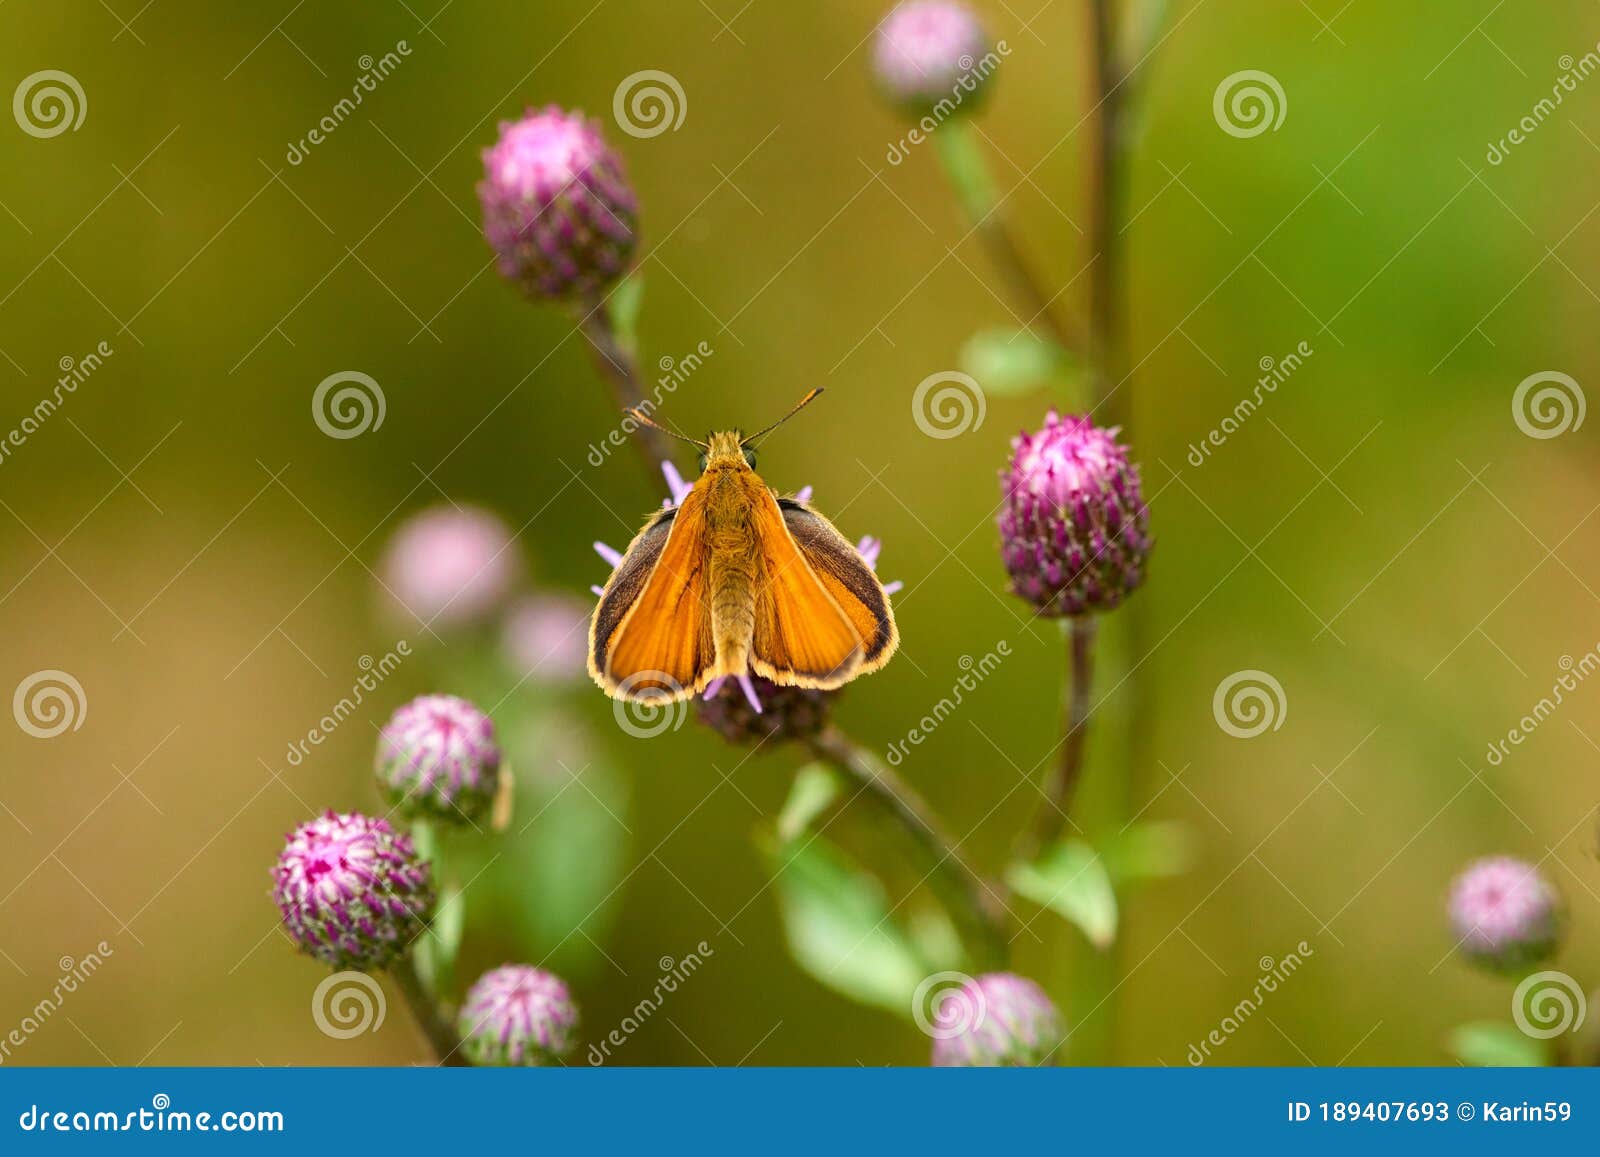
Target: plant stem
{"x": 972, "y": 900}
{"x": 1063, "y": 785}
{"x": 1105, "y": 197}
{"x": 431, "y": 1019}
{"x": 963, "y": 163}
{"x": 617, "y": 366}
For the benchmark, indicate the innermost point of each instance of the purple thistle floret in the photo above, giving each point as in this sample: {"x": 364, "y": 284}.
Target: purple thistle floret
{"x": 450, "y": 566}
{"x": 557, "y": 206}
{"x": 352, "y": 890}
{"x": 927, "y": 52}
{"x": 1074, "y": 528}
{"x": 997, "y": 1019}
{"x": 1505, "y": 914}
{"x": 437, "y": 756}
{"x": 517, "y": 1015}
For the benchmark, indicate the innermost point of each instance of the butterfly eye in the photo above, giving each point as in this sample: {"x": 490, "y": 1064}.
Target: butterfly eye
{"x": 749, "y": 457}
{"x": 702, "y": 463}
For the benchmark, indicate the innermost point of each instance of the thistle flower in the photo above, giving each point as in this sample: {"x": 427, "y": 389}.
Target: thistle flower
{"x": 450, "y": 566}
{"x": 517, "y": 1015}
{"x": 997, "y": 1019}
{"x": 1505, "y": 914}
{"x": 544, "y": 637}
{"x": 1074, "y": 528}
{"x": 557, "y": 206}
{"x": 925, "y": 55}
{"x": 437, "y": 756}
{"x": 352, "y": 890}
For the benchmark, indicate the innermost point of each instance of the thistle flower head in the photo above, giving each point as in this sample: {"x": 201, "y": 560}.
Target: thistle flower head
{"x": 1505, "y": 914}
{"x": 352, "y": 890}
{"x": 437, "y": 756}
{"x": 997, "y": 1019}
{"x": 517, "y": 1015}
{"x": 749, "y": 709}
{"x": 450, "y": 566}
{"x": 925, "y": 53}
{"x": 1074, "y": 529}
{"x": 544, "y": 637}
{"x": 557, "y": 206}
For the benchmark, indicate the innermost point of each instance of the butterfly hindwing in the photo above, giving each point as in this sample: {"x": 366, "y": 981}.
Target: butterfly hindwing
{"x": 847, "y": 577}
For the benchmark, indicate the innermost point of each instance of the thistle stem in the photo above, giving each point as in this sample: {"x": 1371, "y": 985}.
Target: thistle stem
{"x": 616, "y": 364}
{"x": 971, "y": 899}
{"x": 1105, "y": 197}
{"x": 430, "y": 1017}
{"x": 1063, "y": 786}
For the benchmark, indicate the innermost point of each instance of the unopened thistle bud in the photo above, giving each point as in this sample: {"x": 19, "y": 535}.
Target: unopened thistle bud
{"x": 997, "y": 1019}
{"x": 1074, "y": 529}
{"x": 517, "y": 1015}
{"x": 926, "y": 56}
{"x": 450, "y": 566}
{"x": 437, "y": 756}
{"x": 352, "y": 890}
{"x": 557, "y": 206}
{"x": 1505, "y": 914}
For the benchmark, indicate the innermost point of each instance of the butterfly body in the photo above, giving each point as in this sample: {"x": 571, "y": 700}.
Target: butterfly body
{"x": 732, "y": 581}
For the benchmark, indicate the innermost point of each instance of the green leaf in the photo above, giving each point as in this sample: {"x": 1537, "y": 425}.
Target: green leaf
{"x": 1491, "y": 1044}
{"x": 1071, "y": 880}
{"x": 1152, "y": 851}
{"x": 838, "y": 927}
{"x": 624, "y": 306}
{"x": 1013, "y": 361}
{"x": 816, "y": 785}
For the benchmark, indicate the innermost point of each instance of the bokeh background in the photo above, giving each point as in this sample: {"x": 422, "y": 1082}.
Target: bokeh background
{"x": 1381, "y": 536}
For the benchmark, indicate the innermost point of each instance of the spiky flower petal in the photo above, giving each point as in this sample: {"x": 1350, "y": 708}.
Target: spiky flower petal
{"x": 437, "y": 756}
{"x": 518, "y": 1015}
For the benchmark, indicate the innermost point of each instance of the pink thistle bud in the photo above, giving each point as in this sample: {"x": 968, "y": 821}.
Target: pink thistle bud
{"x": 437, "y": 756}
{"x": 1505, "y": 914}
{"x": 997, "y": 1019}
{"x": 749, "y": 709}
{"x": 544, "y": 638}
{"x": 352, "y": 890}
{"x": 926, "y": 56}
{"x": 1074, "y": 529}
{"x": 517, "y": 1015}
{"x": 557, "y": 206}
{"x": 450, "y": 566}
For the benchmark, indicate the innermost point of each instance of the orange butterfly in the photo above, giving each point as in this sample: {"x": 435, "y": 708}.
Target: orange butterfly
{"x": 735, "y": 580}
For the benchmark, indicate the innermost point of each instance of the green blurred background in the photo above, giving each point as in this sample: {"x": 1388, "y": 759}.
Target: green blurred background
{"x": 1380, "y": 537}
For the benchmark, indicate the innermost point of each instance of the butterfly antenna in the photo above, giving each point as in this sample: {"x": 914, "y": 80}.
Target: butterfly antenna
{"x": 638, "y": 415}
{"x": 802, "y": 404}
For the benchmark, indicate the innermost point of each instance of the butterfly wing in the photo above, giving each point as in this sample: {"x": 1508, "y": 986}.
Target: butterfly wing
{"x": 650, "y": 637}
{"x": 852, "y": 583}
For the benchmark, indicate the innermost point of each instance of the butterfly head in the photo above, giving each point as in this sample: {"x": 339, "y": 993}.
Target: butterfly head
{"x": 731, "y": 448}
